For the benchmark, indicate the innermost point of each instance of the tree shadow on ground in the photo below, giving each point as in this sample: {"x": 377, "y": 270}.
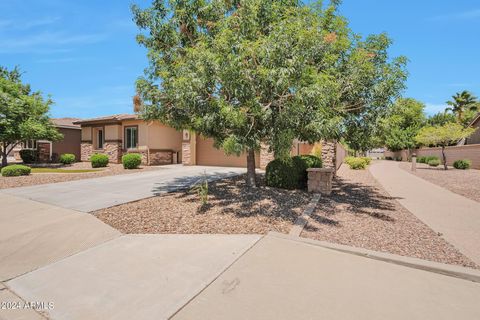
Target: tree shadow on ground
{"x": 232, "y": 196}
{"x": 352, "y": 198}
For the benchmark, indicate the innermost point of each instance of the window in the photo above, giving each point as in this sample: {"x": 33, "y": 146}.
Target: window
{"x": 30, "y": 144}
{"x": 99, "y": 138}
{"x": 131, "y": 137}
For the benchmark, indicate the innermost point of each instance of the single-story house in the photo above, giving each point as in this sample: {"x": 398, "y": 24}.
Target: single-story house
{"x": 160, "y": 144}
{"x": 50, "y": 151}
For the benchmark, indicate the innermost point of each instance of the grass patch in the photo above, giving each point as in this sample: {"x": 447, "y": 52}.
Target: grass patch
{"x": 55, "y": 170}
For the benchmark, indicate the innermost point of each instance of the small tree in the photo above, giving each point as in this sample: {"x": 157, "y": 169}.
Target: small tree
{"x": 443, "y": 136}
{"x": 402, "y": 124}
{"x": 23, "y": 113}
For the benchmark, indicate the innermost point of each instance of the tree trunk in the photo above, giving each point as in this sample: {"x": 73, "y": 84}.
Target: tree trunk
{"x": 251, "y": 182}
{"x": 444, "y": 158}
{"x": 4, "y": 154}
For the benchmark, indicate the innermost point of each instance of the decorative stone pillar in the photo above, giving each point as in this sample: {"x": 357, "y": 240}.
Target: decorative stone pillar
{"x": 113, "y": 149}
{"x": 329, "y": 149}
{"x": 86, "y": 151}
{"x": 265, "y": 156}
{"x": 320, "y": 180}
{"x": 189, "y": 148}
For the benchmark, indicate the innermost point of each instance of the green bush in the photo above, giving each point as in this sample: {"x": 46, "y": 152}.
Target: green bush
{"x": 131, "y": 160}
{"x": 99, "y": 160}
{"x": 67, "y": 158}
{"x": 368, "y": 160}
{"x": 428, "y": 158}
{"x": 290, "y": 173}
{"x": 15, "y": 170}
{"x": 388, "y": 158}
{"x": 398, "y": 159}
{"x": 357, "y": 164}
{"x": 462, "y": 164}
{"x": 422, "y": 159}
{"x": 434, "y": 163}
{"x": 29, "y": 155}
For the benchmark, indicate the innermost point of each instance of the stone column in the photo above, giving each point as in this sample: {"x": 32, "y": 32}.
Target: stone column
{"x": 320, "y": 180}
{"x": 86, "y": 151}
{"x": 113, "y": 149}
{"x": 265, "y": 156}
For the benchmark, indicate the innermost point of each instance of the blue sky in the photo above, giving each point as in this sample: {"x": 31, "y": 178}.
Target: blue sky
{"x": 84, "y": 53}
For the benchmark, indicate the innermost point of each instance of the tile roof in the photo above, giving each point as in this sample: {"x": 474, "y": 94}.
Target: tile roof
{"x": 114, "y": 117}
{"x": 66, "y": 122}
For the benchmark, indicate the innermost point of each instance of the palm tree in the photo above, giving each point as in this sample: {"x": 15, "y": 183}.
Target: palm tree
{"x": 462, "y": 102}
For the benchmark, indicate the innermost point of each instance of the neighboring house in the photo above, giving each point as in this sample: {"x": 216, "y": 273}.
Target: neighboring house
{"x": 160, "y": 144}
{"x": 50, "y": 151}
{"x": 475, "y": 137}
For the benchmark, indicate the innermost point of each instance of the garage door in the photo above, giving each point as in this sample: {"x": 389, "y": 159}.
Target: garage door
{"x": 208, "y": 155}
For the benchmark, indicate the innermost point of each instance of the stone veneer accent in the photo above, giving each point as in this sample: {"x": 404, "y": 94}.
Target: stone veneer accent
{"x": 320, "y": 180}
{"x": 328, "y": 154}
{"x": 113, "y": 149}
{"x": 265, "y": 156}
{"x": 159, "y": 157}
{"x": 186, "y": 153}
{"x": 86, "y": 151}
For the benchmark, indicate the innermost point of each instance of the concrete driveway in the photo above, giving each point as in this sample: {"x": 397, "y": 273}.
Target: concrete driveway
{"x": 88, "y": 195}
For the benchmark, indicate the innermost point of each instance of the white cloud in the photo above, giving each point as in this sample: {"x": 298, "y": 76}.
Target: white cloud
{"x": 50, "y": 40}
{"x": 27, "y": 24}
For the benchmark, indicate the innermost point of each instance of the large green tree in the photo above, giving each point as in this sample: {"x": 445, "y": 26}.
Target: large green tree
{"x": 248, "y": 72}
{"x": 402, "y": 124}
{"x": 23, "y": 113}
{"x": 461, "y": 103}
{"x": 443, "y": 136}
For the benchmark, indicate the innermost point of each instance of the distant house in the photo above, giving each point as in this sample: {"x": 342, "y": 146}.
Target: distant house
{"x": 160, "y": 144}
{"x": 50, "y": 151}
{"x": 475, "y": 137}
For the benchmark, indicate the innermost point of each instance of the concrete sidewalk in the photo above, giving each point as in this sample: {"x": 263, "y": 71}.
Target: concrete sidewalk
{"x": 282, "y": 278}
{"x": 88, "y": 195}
{"x": 34, "y": 234}
{"x": 455, "y": 217}
{"x": 132, "y": 277}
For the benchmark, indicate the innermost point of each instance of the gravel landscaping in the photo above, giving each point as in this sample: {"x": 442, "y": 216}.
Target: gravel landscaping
{"x": 42, "y": 178}
{"x": 232, "y": 209}
{"x": 360, "y": 213}
{"x": 463, "y": 182}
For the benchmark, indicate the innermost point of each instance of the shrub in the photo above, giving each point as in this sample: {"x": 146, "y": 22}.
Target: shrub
{"x": 131, "y": 160}
{"x": 422, "y": 159}
{"x": 462, "y": 164}
{"x": 99, "y": 160}
{"x": 388, "y": 158}
{"x": 428, "y": 158}
{"x": 348, "y": 159}
{"x": 15, "y": 170}
{"x": 29, "y": 155}
{"x": 357, "y": 164}
{"x": 398, "y": 159}
{"x": 290, "y": 173}
{"x": 434, "y": 163}
{"x": 67, "y": 158}
{"x": 368, "y": 160}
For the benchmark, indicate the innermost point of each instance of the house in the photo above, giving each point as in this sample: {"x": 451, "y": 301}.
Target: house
{"x": 475, "y": 137}
{"x": 50, "y": 151}
{"x": 160, "y": 144}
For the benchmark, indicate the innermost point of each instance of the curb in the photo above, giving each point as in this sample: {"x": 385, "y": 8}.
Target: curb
{"x": 302, "y": 220}
{"x": 415, "y": 263}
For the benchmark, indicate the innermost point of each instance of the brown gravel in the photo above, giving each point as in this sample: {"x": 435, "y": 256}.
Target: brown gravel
{"x": 232, "y": 209}
{"x": 42, "y": 178}
{"x": 360, "y": 213}
{"x": 462, "y": 182}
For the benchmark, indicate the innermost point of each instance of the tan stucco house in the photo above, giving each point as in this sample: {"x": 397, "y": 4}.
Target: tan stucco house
{"x": 160, "y": 144}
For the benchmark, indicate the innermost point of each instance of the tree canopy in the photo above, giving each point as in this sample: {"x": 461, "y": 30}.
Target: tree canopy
{"x": 461, "y": 103}
{"x": 248, "y": 72}
{"x": 402, "y": 124}
{"x": 23, "y": 113}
